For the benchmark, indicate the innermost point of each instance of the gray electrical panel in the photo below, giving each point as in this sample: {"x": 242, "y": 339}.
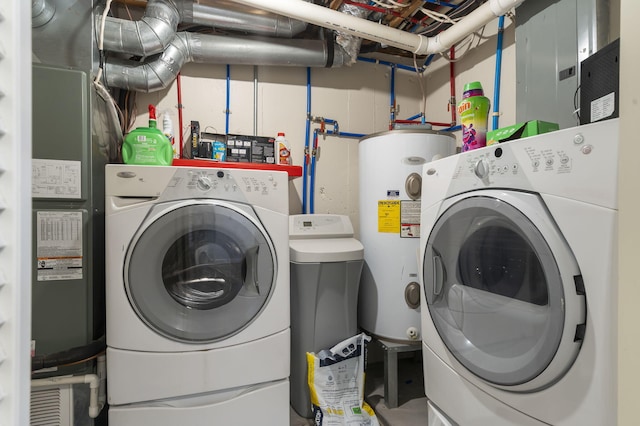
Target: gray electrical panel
{"x": 552, "y": 38}
{"x": 547, "y": 61}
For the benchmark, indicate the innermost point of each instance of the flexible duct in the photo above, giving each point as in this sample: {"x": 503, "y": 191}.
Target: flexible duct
{"x": 155, "y": 30}
{"x": 349, "y": 42}
{"x": 420, "y": 45}
{"x": 202, "y": 48}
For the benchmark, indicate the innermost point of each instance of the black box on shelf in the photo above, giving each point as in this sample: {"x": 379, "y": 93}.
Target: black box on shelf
{"x": 213, "y": 146}
{"x": 194, "y": 139}
{"x": 239, "y": 148}
{"x": 600, "y": 84}
{"x": 263, "y": 150}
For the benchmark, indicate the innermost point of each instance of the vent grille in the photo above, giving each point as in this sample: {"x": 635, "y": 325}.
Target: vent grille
{"x": 52, "y": 406}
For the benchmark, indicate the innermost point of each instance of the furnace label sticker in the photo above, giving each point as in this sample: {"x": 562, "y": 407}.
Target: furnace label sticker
{"x": 59, "y": 245}
{"x": 389, "y": 216}
{"x": 55, "y": 179}
{"x": 410, "y": 219}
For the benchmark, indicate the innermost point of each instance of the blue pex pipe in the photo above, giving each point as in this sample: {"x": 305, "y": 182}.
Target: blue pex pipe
{"x": 428, "y": 60}
{"x": 228, "y": 99}
{"x": 390, "y": 64}
{"x": 345, "y": 134}
{"x": 496, "y": 84}
{"x": 305, "y": 164}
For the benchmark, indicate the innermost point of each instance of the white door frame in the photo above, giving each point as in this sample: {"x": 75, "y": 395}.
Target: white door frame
{"x": 15, "y": 211}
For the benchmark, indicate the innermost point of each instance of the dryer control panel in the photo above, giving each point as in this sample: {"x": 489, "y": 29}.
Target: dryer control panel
{"x": 577, "y": 163}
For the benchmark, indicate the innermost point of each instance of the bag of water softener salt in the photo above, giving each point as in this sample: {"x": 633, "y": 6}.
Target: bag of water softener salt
{"x": 336, "y": 384}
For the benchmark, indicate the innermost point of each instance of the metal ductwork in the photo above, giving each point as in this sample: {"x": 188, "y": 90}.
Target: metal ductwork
{"x": 228, "y": 15}
{"x": 187, "y": 47}
{"x": 156, "y": 29}
{"x": 148, "y": 36}
{"x": 41, "y": 12}
{"x": 164, "y": 51}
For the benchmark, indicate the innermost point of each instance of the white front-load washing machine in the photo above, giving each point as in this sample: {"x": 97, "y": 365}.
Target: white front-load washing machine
{"x": 518, "y": 270}
{"x": 197, "y": 296}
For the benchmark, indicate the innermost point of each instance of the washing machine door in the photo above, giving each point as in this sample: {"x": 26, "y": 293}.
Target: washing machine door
{"x": 503, "y": 289}
{"x": 200, "y": 271}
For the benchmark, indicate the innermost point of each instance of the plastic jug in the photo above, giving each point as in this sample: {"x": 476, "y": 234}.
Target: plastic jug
{"x": 473, "y": 110}
{"x": 147, "y": 145}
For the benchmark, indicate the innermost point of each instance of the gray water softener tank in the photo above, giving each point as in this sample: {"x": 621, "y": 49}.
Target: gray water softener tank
{"x": 326, "y": 262}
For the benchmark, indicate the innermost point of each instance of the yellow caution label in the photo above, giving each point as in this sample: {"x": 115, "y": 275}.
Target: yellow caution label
{"x": 389, "y": 216}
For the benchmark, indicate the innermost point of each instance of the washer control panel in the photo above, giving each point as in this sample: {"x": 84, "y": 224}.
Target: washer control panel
{"x": 217, "y": 182}
{"x": 259, "y": 187}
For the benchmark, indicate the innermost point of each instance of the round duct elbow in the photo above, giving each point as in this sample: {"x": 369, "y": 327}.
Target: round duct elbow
{"x": 146, "y": 37}
{"x": 42, "y": 12}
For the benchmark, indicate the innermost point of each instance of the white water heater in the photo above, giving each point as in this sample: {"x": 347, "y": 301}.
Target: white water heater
{"x": 390, "y": 189}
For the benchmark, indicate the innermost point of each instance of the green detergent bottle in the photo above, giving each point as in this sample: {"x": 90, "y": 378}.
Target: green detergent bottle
{"x": 147, "y": 145}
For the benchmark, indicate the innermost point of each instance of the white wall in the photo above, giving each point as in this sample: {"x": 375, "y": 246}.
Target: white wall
{"x": 358, "y": 97}
{"x": 477, "y": 64}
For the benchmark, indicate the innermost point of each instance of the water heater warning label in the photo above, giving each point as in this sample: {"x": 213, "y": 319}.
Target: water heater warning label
{"x": 410, "y": 219}
{"x": 389, "y": 216}
{"x": 59, "y": 245}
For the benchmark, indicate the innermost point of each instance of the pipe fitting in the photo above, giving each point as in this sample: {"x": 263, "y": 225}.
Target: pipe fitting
{"x": 500, "y": 7}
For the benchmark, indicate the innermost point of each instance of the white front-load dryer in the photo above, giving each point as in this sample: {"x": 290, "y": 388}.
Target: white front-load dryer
{"x": 518, "y": 260}
{"x": 197, "y": 295}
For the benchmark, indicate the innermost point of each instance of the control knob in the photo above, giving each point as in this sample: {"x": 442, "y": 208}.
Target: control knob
{"x": 203, "y": 183}
{"x": 481, "y": 168}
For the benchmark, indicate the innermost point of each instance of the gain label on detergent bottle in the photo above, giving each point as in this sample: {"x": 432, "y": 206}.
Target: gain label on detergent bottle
{"x": 147, "y": 145}
{"x": 473, "y": 110}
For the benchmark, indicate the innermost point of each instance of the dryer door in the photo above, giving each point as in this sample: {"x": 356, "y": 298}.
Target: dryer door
{"x": 504, "y": 290}
{"x": 200, "y": 271}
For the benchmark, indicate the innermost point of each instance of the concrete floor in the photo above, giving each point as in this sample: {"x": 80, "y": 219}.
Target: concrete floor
{"x": 412, "y": 404}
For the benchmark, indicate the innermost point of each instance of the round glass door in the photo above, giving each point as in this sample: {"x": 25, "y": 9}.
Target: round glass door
{"x": 494, "y": 290}
{"x": 199, "y": 272}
